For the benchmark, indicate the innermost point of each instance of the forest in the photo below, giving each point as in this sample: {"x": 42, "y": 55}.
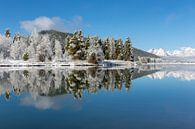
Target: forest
{"x": 38, "y": 47}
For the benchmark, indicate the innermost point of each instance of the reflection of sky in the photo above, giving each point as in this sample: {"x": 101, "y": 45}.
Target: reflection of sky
{"x": 154, "y": 104}
{"x": 56, "y": 102}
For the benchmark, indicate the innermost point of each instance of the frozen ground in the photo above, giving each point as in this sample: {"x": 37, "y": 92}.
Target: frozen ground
{"x": 106, "y": 63}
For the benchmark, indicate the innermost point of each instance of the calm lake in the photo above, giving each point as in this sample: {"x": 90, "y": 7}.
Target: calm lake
{"x": 149, "y": 97}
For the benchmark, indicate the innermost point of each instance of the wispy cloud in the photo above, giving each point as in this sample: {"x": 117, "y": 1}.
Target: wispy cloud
{"x": 57, "y": 23}
{"x": 55, "y": 103}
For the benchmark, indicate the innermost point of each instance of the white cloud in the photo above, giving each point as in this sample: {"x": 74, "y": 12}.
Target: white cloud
{"x": 55, "y": 102}
{"x": 57, "y": 23}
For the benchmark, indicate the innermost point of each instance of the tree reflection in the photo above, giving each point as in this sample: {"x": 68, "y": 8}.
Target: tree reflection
{"x": 47, "y": 82}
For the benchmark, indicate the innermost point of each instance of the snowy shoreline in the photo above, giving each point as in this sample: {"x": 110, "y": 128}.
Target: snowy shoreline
{"x": 105, "y": 63}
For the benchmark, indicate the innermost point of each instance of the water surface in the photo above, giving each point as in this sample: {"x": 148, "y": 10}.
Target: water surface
{"x": 152, "y": 97}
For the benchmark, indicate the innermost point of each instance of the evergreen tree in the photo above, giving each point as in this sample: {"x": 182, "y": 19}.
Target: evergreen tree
{"x": 66, "y": 46}
{"x": 5, "y": 44}
{"x": 112, "y": 54}
{"x": 76, "y": 46}
{"x": 87, "y": 43}
{"x": 17, "y": 37}
{"x": 82, "y": 51}
{"x": 58, "y": 51}
{"x": 95, "y": 53}
{"x": 7, "y": 33}
{"x": 31, "y": 49}
{"x": 131, "y": 53}
{"x": 87, "y": 46}
{"x": 106, "y": 49}
{"x": 25, "y": 56}
{"x": 127, "y": 50}
{"x": 119, "y": 50}
{"x": 18, "y": 47}
{"x": 44, "y": 49}
{"x": 33, "y": 41}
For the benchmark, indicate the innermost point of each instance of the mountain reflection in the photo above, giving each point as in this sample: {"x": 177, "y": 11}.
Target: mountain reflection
{"x": 180, "y": 72}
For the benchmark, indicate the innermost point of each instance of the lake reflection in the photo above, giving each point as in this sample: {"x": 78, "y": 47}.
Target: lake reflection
{"x": 54, "y": 82}
{"x": 144, "y": 97}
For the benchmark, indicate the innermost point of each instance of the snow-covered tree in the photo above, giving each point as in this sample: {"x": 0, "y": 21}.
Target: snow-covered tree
{"x": 17, "y": 37}
{"x": 7, "y": 33}
{"x": 63, "y": 47}
{"x": 18, "y": 47}
{"x": 76, "y": 46}
{"x": 44, "y": 50}
{"x": 66, "y": 47}
{"x": 4, "y": 47}
{"x": 119, "y": 49}
{"x": 106, "y": 49}
{"x": 112, "y": 54}
{"x": 95, "y": 53}
{"x": 33, "y": 40}
{"x": 131, "y": 50}
{"x": 128, "y": 50}
{"x": 58, "y": 51}
{"x": 14, "y": 51}
{"x": 87, "y": 43}
{"x": 31, "y": 50}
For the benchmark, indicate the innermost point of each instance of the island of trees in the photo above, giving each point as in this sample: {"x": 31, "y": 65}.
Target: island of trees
{"x": 39, "y": 47}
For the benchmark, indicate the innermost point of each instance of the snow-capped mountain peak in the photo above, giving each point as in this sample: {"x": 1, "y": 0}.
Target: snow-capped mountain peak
{"x": 181, "y": 52}
{"x": 158, "y": 52}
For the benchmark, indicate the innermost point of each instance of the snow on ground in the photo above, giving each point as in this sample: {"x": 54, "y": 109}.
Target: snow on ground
{"x": 106, "y": 63}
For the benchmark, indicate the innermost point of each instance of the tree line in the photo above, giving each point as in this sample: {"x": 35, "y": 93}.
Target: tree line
{"x": 41, "y": 48}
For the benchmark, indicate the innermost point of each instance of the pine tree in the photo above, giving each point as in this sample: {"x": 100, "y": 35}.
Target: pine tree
{"x": 87, "y": 43}
{"x": 112, "y": 54}
{"x": 95, "y": 53}
{"x": 5, "y": 44}
{"x": 106, "y": 49}
{"x": 18, "y": 47}
{"x": 87, "y": 46}
{"x": 119, "y": 50}
{"x": 25, "y": 56}
{"x": 127, "y": 50}
{"x": 66, "y": 46}
{"x": 131, "y": 53}
{"x": 31, "y": 49}
{"x": 44, "y": 49}
{"x": 7, "y": 33}
{"x": 33, "y": 42}
{"x": 17, "y": 38}
{"x": 82, "y": 54}
{"x": 58, "y": 51}
{"x": 76, "y": 46}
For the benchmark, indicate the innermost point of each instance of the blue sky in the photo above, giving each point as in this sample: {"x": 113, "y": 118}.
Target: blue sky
{"x": 168, "y": 24}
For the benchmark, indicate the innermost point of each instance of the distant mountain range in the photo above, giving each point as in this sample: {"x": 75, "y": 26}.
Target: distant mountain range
{"x": 183, "y": 52}
{"x": 140, "y": 53}
{"x": 60, "y": 36}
